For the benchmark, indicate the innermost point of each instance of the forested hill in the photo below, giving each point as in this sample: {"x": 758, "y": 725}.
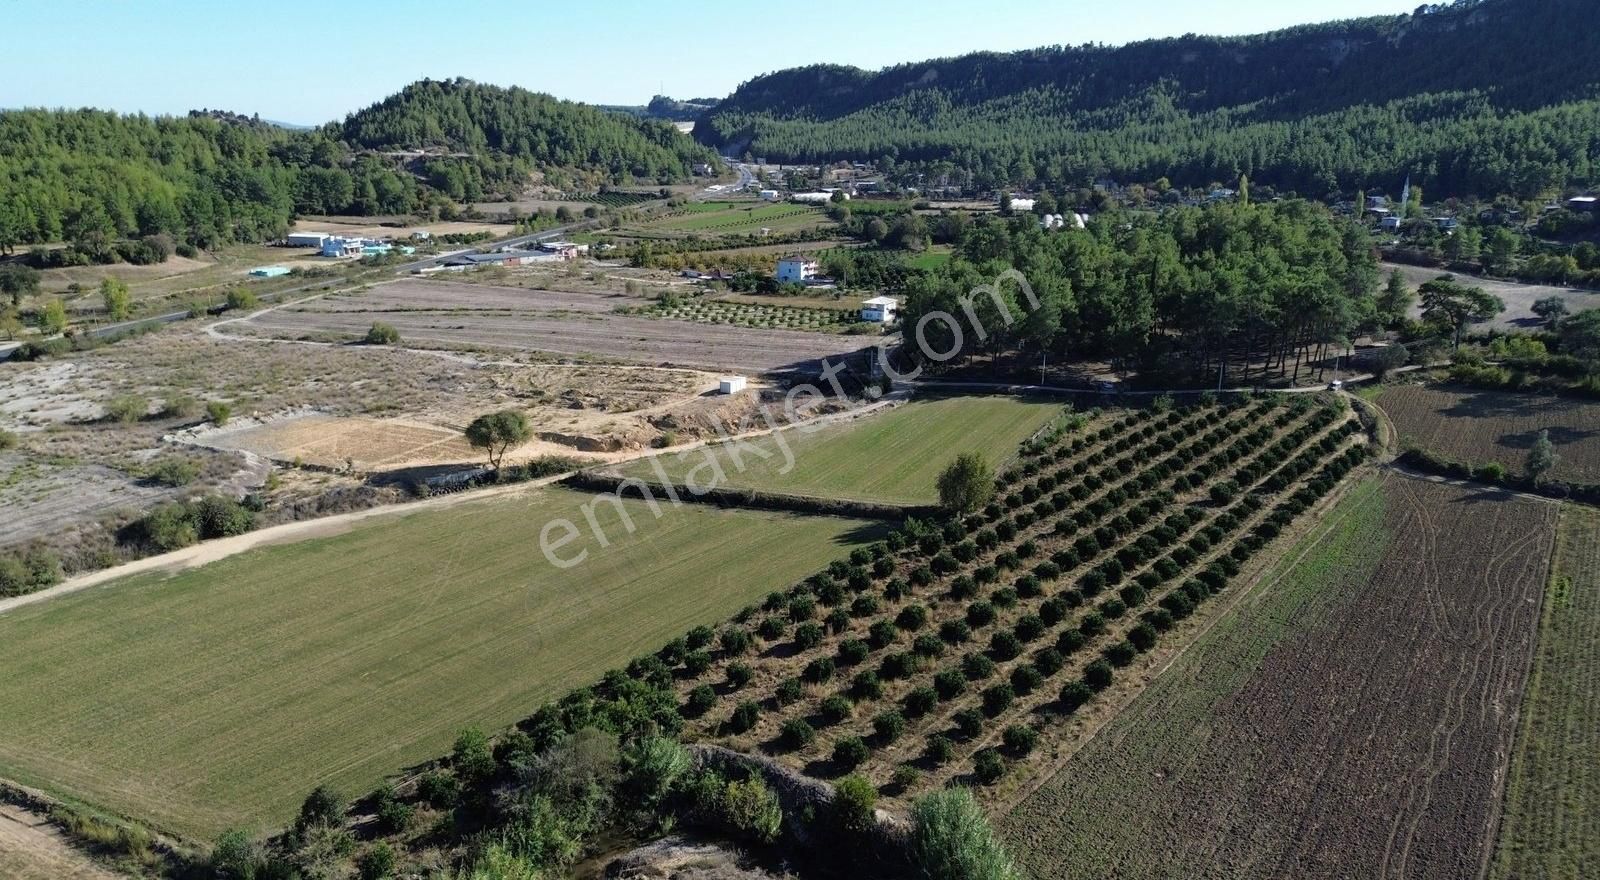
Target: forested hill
{"x": 460, "y": 115}
{"x": 91, "y": 177}
{"x": 1477, "y": 97}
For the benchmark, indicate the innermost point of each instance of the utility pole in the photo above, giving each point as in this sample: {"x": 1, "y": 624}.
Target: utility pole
{"x": 1044, "y": 358}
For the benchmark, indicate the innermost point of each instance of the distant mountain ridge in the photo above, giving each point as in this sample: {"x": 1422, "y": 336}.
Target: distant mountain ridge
{"x": 1506, "y": 85}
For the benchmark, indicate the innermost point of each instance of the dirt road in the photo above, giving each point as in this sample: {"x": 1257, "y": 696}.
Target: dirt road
{"x": 33, "y": 849}
{"x": 287, "y": 533}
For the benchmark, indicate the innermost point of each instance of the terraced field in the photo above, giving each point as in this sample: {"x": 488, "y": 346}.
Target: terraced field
{"x": 1351, "y": 719}
{"x": 892, "y": 457}
{"x": 953, "y": 653}
{"x": 1551, "y": 825}
{"x": 218, "y": 697}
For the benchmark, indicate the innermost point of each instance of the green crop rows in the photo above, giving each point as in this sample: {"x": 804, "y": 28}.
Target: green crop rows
{"x": 941, "y": 654}
{"x": 754, "y": 316}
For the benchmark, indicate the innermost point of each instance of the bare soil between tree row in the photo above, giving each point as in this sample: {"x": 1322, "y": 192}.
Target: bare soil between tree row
{"x": 1353, "y": 719}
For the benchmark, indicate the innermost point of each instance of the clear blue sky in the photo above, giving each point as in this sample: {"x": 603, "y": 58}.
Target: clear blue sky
{"x": 311, "y": 62}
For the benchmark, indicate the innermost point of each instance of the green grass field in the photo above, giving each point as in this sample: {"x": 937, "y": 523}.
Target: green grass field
{"x": 740, "y": 218}
{"x": 891, "y": 457}
{"x": 219, "y": 696}
{"x": 1551, "y": 824}
{"x": 931, "y": 259}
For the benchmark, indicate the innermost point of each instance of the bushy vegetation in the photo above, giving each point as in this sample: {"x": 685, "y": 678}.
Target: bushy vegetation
{"x": 28, "y": 570}
{"x": 178, "y": 524}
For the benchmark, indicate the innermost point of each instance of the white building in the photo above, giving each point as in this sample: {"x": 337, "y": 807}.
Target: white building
{"x": 731, "y": 384}
{"x": 1022, "y": 206}
{"x": 769, "y": 195}
{"x": 815, "y": 198}
{"x": 796, "y": 270}
{"x": 1064, "y": 221}
{"x": 306, "y": 239}
{"x": 344, "y": 247}
{"x": 880, "y": 310}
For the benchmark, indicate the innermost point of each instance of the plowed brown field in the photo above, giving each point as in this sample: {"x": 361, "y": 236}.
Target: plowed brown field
{"x": 1351, "y": 719}
{"x": 1478, "y": 427}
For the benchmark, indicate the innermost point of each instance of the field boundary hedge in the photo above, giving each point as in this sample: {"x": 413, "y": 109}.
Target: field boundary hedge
{"x": 1429, "y": 462}
{"x": 748, "y": 499}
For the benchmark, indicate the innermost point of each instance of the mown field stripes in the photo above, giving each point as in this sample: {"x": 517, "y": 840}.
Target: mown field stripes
{"x": 219, "y": 696}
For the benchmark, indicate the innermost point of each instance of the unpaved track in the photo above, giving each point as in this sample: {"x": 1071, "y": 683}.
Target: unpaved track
{"x": 288, "y": 533}
{"x": 33, "y": 849}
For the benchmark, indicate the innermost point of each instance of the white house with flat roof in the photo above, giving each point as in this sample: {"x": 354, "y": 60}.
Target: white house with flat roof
{"x": 880, "y": 310}
{"x": 796, "y": 270}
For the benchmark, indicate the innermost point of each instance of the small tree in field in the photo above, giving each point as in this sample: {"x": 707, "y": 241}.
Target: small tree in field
{"x": 53, "y": 319}
{"x": 382, "y": 334}
{"x": 496, "y": 432}
{"x": 967, "y": 484}
{"x": 1551, "y": 310}
{"x": 1541, "y": 458}
{"x": 118, "y": 301}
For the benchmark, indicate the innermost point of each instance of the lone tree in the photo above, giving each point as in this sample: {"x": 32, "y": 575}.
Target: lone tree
{"x": 1551, "y": 310}
{"x": 1541, "y": 458}
{"x": 17, "y": 281}
{"x": 1388, "y": 359}
{"x": 1394, "y": 303}
{"x": 118, "y": 301}
{"x": 967, "y": 484}
{"x": 53, "y": 319}
{"x": 496, "y": 432}
{"x": 1453, "y": 305}
{"x": 382, "y": 334}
